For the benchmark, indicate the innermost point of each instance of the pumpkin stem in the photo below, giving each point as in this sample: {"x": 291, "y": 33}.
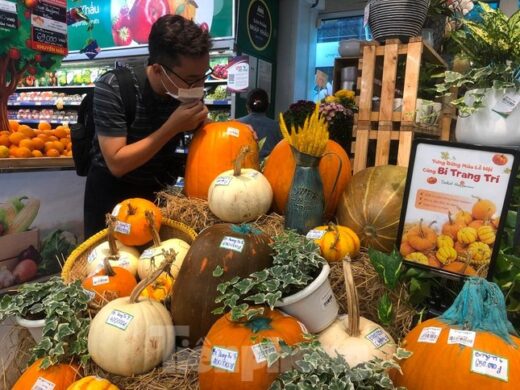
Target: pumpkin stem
{"x": 352, "y": 299}
{"x": 450, "y": 217}
{"x": 111, "y": 223}
{"x": 151, "y": 223}
{"x": 169, "y": 257}
{"x": 131, "y": 209}
{"x": 108, "y": 267}
{"x": 421, "y": 231}
{"x": 237, "y": 166}
{"x": 333, "y": 227}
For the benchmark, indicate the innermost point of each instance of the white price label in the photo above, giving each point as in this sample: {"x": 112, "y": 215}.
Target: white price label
{"x": 122, "y": 261}
{"x": 490, "y": 365}
{"x": 115, "y": 212}
{"x": 92, "y": 256}
{"x": 100, "y": 280}
{"x": 43, "y": 384}
{"x": 315, "y": 234}
{"x": 233, "y": 243}
{"x": 507, "y": 104}
{"x": 378, "y": 337}
{"x": 223, "y": 180}
{"x": 429, "y": 335}
{"x": 327, "y": 299}
{"x": 224, "y": 359}
{"x": 119, "y": 319}
{"x": 262, "y": 351}
{"x": 122, "y": 227}
{"x": 233, "y": 132}
{"x": 462, "y": 337}
{"x": 147, "y": 253}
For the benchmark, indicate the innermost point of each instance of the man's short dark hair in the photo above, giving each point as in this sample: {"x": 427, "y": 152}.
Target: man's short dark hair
{"x": 257, "y": 100}
{"x": 173, "y": 36}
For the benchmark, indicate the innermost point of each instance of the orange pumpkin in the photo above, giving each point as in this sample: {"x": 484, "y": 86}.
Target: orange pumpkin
{"x": 337, "y": 242}
{"x": 486, "y": 359}
{"x": 279, "y": 171}
{"x": 92, "y": 383}
{"x": 110, "y": 283}
{"x": 160, "y": 289}
{"x": 213, "y": 150}
{"x": 246, "y": 365}
{"x": 132, "y": 226}
{"x": 60, "y": 375}
{"x": 460, "y": 267}
{"x": 483, "y": 209}
{"x": 452, "y": 226}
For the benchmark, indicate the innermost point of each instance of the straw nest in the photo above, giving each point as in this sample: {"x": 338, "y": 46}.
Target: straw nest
{"x": 196, "y": 213}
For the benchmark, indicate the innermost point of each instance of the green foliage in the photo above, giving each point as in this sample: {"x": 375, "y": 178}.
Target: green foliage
{"x": 315, "y": 369}
{"x": 296, "y": 263}
{"x": 65, "y": 309}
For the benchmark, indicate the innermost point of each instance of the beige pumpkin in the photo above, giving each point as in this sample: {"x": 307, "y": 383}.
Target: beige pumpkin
{"x": 240, "y": 195}
{"x": 118, "y": 254}
{"x": 355, "y": 338}
{"x": 153, "y": 257}
{"x": 132, "y": 335}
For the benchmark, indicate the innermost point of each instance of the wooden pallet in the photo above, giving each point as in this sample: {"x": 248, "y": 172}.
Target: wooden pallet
{"x": 391, "y": 131}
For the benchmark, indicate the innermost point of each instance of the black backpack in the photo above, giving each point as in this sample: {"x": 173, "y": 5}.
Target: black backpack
{"x": 82, "y": 133}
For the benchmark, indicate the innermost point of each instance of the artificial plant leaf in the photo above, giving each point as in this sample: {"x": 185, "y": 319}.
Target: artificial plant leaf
{"x": 385, "y": 310}
{"x": 388, "y": 266}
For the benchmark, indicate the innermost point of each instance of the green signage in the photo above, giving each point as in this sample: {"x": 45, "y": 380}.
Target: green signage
{"x": 127, "y": 23}
{"x": 258, "y": 28}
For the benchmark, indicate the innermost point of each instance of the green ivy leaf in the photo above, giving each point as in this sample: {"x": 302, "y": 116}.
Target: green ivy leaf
{"x": 218, "y": 271}
{"x": 387, "y": 266}
{"x": 385, "y": 310}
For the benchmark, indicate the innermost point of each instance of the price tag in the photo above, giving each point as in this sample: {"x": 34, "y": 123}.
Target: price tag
{"x": 223, "y": 180}
{"x": 43, "y": 384}
{"x": 122, "y": 227}
{"x": 233, "y": 132}
{"x": 119, "y": 319}
{"x": 224, "y": 359}
{"x": 507, "y": 104}
{"x": 463, "y": 337}
{"x": 378, "y": 337}
{"x": 326, "y": 300}
{"x": 315, "y": 234}
{"x": 233, "y": 243}
{"x": 100, "y": 280}
{"x": 429, "y": 335}
{"x": 490, "y": 365}
{"x": 147, "y": 253}
{"x": 92, "y": 256}
{"x": 123, "y": 260}
{"x": 115, "y": 212}
{"x": 262, "y": 351}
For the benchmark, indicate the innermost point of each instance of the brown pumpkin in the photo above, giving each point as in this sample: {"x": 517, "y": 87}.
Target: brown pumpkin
{"x": 279, "y": 171}
{"x": 371, "y": 205}
{"x": 238, "y": 249}
{"x": 213, "y": 150}
{"x": 452, "y": 226}
{"x": 132, "y": 227}
{"x": 422, "y": 238}
{"x": 57, "y": 377}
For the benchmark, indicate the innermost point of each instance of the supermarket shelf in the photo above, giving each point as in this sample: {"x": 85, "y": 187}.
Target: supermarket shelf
{"x": 36, "y": 163}
{"x": 36, "y": 121}
{"x": 55, "y": 87}
{"x": 39, "y": 104}
{"x": 210, "y": 102}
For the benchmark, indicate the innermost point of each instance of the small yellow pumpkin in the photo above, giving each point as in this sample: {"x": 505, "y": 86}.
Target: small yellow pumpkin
{"x": 480, "y": 253}
{"x": 92, "y": 383}
{"x": 417, "y": 257}
{"x": 446, "y": 254}
{"x": 444, "y": 240}
{"x": 486, "y": 234}
{"x": 467, "y": 235}
{"x": 160, "y": 289}
{"x": 336, "y": 242}
{"x": 464, "y": 216}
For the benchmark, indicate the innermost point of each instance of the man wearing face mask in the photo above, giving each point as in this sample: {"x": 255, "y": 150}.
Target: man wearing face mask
{"x": 139, "y": 160}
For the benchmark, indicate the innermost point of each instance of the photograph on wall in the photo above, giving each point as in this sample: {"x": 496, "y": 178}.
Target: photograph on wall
{"x": 454, "y": 206}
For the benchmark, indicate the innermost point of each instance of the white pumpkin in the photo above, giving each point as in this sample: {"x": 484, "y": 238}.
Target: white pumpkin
{"x": 124, "y": 257}
{"x": 153, "y": 257}
{"x": 240, "y": 195}
{"x": 132, "y": 335}
{"x": 355, "y": 338}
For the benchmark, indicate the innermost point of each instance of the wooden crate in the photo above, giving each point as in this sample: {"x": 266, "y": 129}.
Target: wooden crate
{"x": 385, "y": 135}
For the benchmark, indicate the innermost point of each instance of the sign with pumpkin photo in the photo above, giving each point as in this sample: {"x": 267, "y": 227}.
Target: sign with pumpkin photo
{"x": 455, "y": 203}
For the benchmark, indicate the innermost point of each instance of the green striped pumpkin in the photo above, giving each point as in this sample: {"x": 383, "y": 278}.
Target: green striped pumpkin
{"x": 371, "y": 205}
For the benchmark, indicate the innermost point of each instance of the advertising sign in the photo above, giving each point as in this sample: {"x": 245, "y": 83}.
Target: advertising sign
{"x": 49, "y": 26}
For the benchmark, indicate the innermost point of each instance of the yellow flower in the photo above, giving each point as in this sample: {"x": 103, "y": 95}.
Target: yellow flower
{"x": 330, "y": 99}
{"x": 345, "y": 93}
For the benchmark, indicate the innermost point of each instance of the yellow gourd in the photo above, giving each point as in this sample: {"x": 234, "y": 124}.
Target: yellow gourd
{"x": 444, "y": 240}
{"x": 446, "y": 254}
{"x": 337, "y": 242}
{"x": 467, "y": 235}
{"x": 480, "y": 253}
{"x": 417, "y": 257}
{"x": 92, "y": 383}
{"x": 486, "y": 234}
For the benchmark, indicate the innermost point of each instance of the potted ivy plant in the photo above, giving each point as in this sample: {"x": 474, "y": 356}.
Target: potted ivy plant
{"x": 56, "y": 314}
{"x": 297, "y": 283}
{"x": 489, "y": 112}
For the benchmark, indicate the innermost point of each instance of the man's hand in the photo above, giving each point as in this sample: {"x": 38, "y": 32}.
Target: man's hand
{"x": 187, "y": 117}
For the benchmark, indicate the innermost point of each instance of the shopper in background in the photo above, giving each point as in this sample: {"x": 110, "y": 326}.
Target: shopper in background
{"x": 257, "y": 105}
{"x": 139, "y": 160}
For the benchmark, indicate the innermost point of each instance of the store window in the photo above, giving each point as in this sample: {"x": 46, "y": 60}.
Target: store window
{"x": 330, "y": 33}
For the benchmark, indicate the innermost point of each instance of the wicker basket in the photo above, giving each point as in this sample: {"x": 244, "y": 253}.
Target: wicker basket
{"x": 75, "y": 266}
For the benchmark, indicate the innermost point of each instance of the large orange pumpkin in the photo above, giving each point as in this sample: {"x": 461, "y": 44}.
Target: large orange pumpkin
{"x": 480, "y": 359}
{"x": 234, "y": 357}
{"x": 132, "y": 226}
{"x": 279, "y": 171}
{"x": 371, "y": 205}
{"x": 213, "y": 151}
{"x": 57, "y": 377}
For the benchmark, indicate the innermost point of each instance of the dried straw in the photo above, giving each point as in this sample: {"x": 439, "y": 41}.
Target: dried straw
{"x": 18, "y": 356}
{"x": 196, "y": 214}
{"x": 370, "y": 289}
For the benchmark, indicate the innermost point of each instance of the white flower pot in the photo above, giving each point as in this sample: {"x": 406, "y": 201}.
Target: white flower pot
{"x": 35, "y": 327}
{"x": 315, "y": 306}
{"x": 485, "y": 126}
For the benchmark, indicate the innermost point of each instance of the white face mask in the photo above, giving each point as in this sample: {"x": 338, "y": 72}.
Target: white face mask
{"x": 185, "y": 95}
